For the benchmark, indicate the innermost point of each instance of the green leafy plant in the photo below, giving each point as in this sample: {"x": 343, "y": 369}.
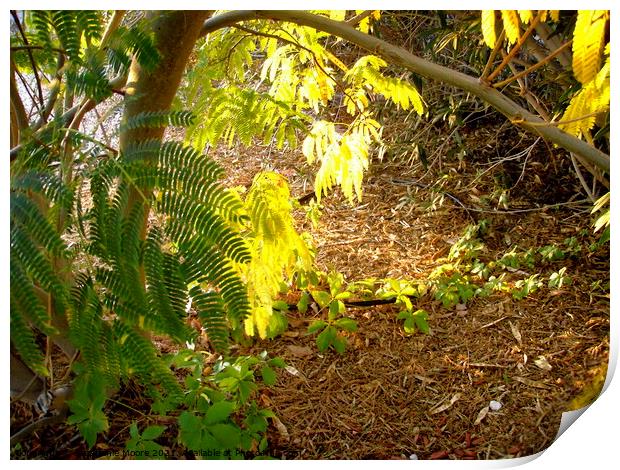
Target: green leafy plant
{"x": 469, "y": 246}
{"x": 87, "y": 407}
{"x": 333, "y": 301}
{"x": 143, "y": 445}
{"x": 222, "y": 419}
{"x": 414, "y": 321}
{"x": 551, "y": 253}
{"x": 402, "y": 292}
{"x": 525, "y": 287}
{"x": 454, "y": 289}
{"x": 559, "y": 279}
{"x": 211, "y": 434}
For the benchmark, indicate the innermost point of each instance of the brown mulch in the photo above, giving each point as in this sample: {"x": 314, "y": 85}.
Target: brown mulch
{"x": 391, "y": 396}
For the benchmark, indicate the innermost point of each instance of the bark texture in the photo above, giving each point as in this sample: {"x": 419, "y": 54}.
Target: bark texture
{"x": 176, "y": 33}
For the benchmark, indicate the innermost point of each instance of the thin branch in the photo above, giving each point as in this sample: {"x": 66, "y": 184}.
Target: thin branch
{"x": 53, "y": 95}
{"x": 113, "y": 25}
{"x": 32, "y": 62}
{"x": 355, "y": 20}
{"x": 35, "y": 47}
{"x": 535, "y": 66}
{"x": 117, "y": 82}
{"x": 27, "y": 89}
{"x": 39, "y": 424}
{"x": 529, "y": 96}
{"x": 17, "y": 105}
{"x": 498, "y": 46}
{"x": 594, "y": 171}
{"x": 516, "y": 47}
{"x": 582, "y": 180}
{"x": 552, "y": 41}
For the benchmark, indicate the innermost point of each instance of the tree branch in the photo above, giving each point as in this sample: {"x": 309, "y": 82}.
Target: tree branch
{"x": 516, "y": 47}
{"x": 53, "y": 95}
{"x": 400, "y": 56}
{"x": 21, "y": 118}
{"x": 30, "y": 56}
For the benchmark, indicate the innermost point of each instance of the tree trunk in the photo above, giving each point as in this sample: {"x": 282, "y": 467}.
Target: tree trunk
{"x": 176, "y": 33}
{"x": 175, "y": 36}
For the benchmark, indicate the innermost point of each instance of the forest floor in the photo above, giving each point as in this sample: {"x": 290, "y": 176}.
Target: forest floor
{"x": 392, "y": 395}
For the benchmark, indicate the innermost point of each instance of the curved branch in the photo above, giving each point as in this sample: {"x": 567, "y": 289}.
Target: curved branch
{"x": 399, "y": 56}
{"x": 17, "y": 105}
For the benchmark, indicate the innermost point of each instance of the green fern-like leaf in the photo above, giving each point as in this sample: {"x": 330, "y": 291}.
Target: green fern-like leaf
{"x": 142, "y": 358}
{"x": 46, "y": 184}
{"x": 159, "y": 297}
{"x": 160, "y": 119}
{"x": 231, "y": 114}
{"x": 36, "y": 265}
{"x": 90, "y": 78}
{"x": 42, "y": 23}
{"x": 212, "y": 313}
{"x": 89, "y": 23}
{"x": 66, "y": 27}
{"x": 27, "y": 215}
{"x": 25, "y": 300}
{"x": 24, "y": 341}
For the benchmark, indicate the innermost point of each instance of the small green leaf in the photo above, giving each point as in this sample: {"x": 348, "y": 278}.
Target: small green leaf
{"x": 344, "y": 295}
{"x": 302, "y": 305}
{"x": 404, "y": 315}
{"x": 152, "y": 432}
{"x": 409, "y": 325}
{"x": 269, "y": 376}
{"x": 228, "y": 435}
{"x": 267, "y": 413}
{"x": 322, "y": 298}
{"x": 219, "y": 412}
{"x": 334, "y": 310}
{"x": 90, "y": 428}
{"x": 133, "y": 431}
{"x": 340, "y": 344}
{"x": 262, "y": 445}
{"x": 325, "y": 338}
{"x": 153, "y": 448}
{"x": 420, "y": 317}
{"x": 280, "y": 305}
{"x": 410, "y": 291}
{"x": 347, "y": 324}
{"x": 277, "y": 362}
{"x": 316, "y": 326}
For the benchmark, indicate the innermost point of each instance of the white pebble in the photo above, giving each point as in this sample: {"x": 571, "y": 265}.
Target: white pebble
{"x": 494, "y": 405}
{"x": 413, "y": 457}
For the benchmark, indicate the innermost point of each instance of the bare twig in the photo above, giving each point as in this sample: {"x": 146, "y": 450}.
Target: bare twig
{"x": 53, "y": 95}
{"x": 516, "y": 47}
{"x": 582, "y": 180}
{"x": 535, "y": 66}
{"x": 38, "y": 424}
{"x": 355, "y": 20}
{"x": 35, "y": 47}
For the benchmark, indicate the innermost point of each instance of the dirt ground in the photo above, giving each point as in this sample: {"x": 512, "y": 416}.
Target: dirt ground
{"x": 393, "y": 396}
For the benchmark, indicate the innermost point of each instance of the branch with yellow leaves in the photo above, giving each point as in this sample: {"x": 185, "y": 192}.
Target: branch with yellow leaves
{"x": 399, "y": 56}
